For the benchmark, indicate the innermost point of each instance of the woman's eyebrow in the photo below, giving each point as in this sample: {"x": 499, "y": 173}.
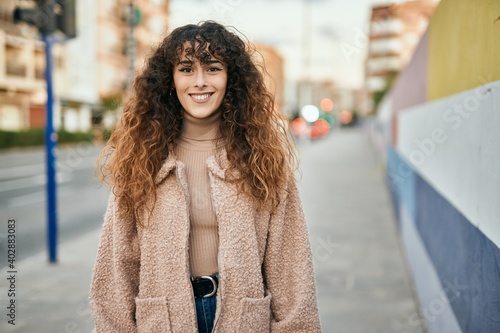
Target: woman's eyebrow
{"x": 210, "y": 62}
{"x": 189, "y": 62}
{"x": 185, "y": 62}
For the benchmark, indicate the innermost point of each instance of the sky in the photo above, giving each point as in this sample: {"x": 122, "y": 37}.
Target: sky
{"x": 337, "y": 32}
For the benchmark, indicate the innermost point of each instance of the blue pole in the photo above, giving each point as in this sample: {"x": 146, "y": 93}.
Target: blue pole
{"x": 50, "y": 145}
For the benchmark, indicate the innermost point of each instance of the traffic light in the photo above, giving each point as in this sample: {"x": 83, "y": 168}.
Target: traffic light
{"x": 42, "y": 17}
{"x": 50, "y": 16}
{"x": 66, "y": 18}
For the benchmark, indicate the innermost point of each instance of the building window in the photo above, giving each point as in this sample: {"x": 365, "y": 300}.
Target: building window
{"x": 157, "y": 25}
{"x": 109, "y": 7}
{"x": 39, "y": 65}
{"x": 111, "y": 40}
{"x": 10, "y": 117}
{"x": 16, "y": 60}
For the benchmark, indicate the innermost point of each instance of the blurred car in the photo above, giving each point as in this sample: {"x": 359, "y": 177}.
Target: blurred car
{"x": 320, "y": 128}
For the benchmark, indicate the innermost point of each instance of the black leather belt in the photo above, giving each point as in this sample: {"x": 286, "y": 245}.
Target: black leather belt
{"x": 205, "y": 286}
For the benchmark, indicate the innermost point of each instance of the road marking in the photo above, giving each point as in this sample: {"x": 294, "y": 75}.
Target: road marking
{"x": 22, "y": 183}
{"x": 32, "y": 181}
{"x": 37, "y": 197}
{"x": 21, "y": 171}
{"x": 63, "y": 163}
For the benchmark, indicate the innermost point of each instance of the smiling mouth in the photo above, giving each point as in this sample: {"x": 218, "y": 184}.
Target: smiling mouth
{"x": 201, "y": 97}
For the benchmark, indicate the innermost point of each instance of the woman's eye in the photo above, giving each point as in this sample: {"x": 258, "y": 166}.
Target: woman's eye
{"x": 186, "y": 70}
{"x": 214, "y": 69}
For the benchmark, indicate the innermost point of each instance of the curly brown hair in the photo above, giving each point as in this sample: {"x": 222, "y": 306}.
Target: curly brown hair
{"x": 254, "y": 134}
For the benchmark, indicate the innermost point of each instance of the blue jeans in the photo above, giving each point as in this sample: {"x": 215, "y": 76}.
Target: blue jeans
{"x": 205, "y": 313}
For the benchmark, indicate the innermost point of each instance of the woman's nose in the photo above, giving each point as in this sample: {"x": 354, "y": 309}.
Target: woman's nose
{"x": 200, "y": 80}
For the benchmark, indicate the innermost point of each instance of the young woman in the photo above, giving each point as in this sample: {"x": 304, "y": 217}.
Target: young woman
{"x": 204, "y": 230}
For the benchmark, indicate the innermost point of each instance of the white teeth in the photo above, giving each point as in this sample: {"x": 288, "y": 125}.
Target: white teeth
{"x": 200, "y": 97}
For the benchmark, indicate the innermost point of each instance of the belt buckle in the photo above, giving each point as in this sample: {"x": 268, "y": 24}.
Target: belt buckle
{"x": 214, "y": 284}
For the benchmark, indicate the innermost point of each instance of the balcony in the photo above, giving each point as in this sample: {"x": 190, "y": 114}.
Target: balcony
{"x": 383, "y": 65}
{"x": 23, "y": 64}
{"x": 375, "y": 83}
{"x": 386, "y": 27}
{"x": 386, "y": 46}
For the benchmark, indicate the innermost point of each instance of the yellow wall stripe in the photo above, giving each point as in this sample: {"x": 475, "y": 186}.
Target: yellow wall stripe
{"x": 464, "y": 46}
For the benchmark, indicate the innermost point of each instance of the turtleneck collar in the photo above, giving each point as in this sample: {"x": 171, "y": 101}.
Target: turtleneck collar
{"x": 206, "y": 129}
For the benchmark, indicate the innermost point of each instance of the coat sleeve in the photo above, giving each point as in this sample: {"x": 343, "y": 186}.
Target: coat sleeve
{"x": 289, "y": 271}
{"x": 115, "y": 277}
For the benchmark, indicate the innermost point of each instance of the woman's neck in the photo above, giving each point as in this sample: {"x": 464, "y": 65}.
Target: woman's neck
{"x": 200, "y": 129}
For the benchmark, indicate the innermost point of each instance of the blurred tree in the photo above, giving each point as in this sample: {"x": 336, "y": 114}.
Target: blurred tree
{"x": 111, "y": 102}
{"x": 378, "y": 96}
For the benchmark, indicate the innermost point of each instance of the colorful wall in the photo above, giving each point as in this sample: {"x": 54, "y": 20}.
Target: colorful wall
{"x": 440, "y": 129}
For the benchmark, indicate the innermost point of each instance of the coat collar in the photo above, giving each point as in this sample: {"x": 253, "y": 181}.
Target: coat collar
{"x": 217, "y": 164}
{"x": 168, "y": 165}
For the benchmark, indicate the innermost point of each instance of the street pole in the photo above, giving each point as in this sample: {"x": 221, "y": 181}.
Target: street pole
{"x": 50, "y": 16}
{"x": 305, "y": 88}
{"x": 131, "y": 46}
{"x": 50, "y": 147}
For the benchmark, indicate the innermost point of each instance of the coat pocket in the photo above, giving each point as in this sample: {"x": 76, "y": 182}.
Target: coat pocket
{"x": 255, "y": 315}
{"x": 151, "y": 315}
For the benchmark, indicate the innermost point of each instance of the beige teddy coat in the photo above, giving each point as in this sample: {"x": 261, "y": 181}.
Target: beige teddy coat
{"x": 141, "y": 278}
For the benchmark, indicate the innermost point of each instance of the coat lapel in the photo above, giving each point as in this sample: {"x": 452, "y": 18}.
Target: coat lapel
{"x": 217, "y": 164}
{"x": 168, "y": 165}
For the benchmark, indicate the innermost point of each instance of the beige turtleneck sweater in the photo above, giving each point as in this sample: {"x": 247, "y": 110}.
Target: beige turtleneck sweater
{"x": 195, "y": 145}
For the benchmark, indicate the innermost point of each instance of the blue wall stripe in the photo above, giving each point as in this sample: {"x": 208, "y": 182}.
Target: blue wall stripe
{"x": 436, "y": 312}
{"x": 467, "y": 262}
{"x": 401, "y": 179}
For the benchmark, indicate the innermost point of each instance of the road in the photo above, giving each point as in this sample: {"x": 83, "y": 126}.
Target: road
{"x": 81, "y": 198}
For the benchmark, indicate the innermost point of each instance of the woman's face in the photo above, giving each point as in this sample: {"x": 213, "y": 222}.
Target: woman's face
{"x": 200, "y": 87}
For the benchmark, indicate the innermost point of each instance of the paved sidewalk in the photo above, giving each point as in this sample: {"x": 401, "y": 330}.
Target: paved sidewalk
{"x": 53, "y": 298}
{"x": 363, "y": 285}
{"x": 363, "y": 282}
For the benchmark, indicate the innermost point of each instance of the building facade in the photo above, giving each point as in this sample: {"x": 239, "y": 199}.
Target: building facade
{"x": 22, "y": 67}
{"x": 394, "y": 32}
{"x": 274, "y": 74}
{"x": 90, "y": 70}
